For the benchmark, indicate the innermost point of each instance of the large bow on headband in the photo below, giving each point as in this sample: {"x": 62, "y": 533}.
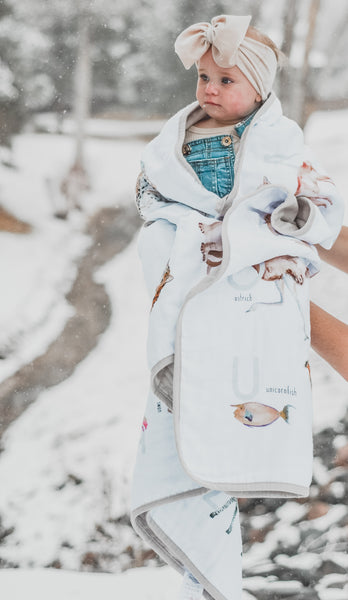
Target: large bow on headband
{"x": 226, "y": 35}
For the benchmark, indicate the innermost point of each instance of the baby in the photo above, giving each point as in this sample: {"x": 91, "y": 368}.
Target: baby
{"x": 229, "y": 99}
{"x": 233, "y": 205}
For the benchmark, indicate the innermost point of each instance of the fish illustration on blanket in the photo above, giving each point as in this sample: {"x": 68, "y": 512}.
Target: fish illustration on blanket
{"x": 255, "y": 414}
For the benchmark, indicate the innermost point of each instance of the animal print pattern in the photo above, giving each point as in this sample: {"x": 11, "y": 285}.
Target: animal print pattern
{"x": 308, "y": 367}
{"x": 146, "y": 194}
{"x": 308, "y": 186}
{"x": 166, "y": 277}
{"x": 276, "y": 268}
{"x": 211, "y": 248}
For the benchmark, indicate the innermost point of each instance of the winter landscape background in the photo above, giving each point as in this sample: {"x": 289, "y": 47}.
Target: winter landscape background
{"x": 80, "y": 95}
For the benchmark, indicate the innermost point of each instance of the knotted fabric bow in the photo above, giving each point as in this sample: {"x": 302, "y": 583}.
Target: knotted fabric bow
{"x": 230, "y": 47}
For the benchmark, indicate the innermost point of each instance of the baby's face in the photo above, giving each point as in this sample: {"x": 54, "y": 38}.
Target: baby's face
{"x": 227, "y": 94}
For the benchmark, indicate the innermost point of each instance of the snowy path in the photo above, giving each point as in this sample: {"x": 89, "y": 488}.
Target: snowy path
{"x": 38, "y": 270}
{"x": 110, "y": 230}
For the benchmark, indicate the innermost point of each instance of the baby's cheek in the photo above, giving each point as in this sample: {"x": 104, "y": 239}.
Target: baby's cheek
{"x": 238, "y": 101}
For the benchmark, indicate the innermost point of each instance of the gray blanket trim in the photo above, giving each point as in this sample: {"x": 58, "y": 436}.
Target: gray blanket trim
{"x": 148, "y": 529}
{"x": 293, "y": 217}
{"x": 262, "y": 489}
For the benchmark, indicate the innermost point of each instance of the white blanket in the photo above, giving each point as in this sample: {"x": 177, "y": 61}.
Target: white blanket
{"x": 228, "y": 342}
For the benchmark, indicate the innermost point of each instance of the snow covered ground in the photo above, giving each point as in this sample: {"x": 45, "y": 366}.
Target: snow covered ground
{"x": 67, "y": 461}
{"x": 38, "y": 269}
{"x": 84, "y": 429}
{"x": 136, "y": 584}
{"x": 100, "y": 128}
{"x": 145, "y": 583}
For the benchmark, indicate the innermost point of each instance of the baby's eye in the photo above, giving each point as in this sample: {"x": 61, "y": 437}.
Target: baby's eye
{"x": 203, "y": 77}
{"x": 226, "y": 80}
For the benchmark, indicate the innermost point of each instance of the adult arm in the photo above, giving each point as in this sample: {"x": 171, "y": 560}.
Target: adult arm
{"x": 338, "y": 254}
{"x": 330, "y": 339}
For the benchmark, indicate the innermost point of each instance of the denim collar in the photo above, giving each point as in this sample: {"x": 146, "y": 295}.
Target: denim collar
{"x": 242, "y": 125}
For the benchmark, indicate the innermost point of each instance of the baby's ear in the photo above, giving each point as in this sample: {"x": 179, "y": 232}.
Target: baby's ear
{"x": 258, "y": 98}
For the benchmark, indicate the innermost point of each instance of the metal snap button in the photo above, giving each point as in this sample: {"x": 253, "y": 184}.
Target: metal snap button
{"x": 226, "y": 141}
{"x": 186, "y": 149}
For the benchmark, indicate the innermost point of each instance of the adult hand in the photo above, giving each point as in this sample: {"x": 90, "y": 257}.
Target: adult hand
{"x": 330, "y": 335}
{"x": 337, "y": 256}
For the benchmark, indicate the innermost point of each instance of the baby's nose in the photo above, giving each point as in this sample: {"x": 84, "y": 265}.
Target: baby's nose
{"x": 211, "y": 87}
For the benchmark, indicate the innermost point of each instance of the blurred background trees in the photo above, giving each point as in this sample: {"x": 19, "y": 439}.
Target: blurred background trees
{"x": 102, "y": 57}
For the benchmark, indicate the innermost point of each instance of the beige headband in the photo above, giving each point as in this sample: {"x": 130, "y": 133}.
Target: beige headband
{"x": 226, "y": 35}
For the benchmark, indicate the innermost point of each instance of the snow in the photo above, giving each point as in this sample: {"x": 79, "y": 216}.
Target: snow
{"x": 291, "y": 512}
{"x": 7, "y": 89}
{"x": 34, "y": 309}
{"x": 267, "y": 583}
{"x": 31, "y": 314}
{"x": 333, "y": 594}
{"x": 40, "y": 584}
{"x": 306, "y": 560}
{"x": 81, "y": 426}
{"x": 323, "y": 523}
{"x": 259, "y": 552}
{"x": 337, "y": 488}
{"x": 67, "y": 461}
{"x": 340, "y": 441}
{"x": 339, "y": 558}
{"x": 320, "y": 473}
{"x": 144, "y": 583}
{"x": 331, "y": 581}
{"x": 100, "y": 128}
{"x": 260, "y": 521}
{"x": 113, "y": 167}
{"x": 87, "y": 426}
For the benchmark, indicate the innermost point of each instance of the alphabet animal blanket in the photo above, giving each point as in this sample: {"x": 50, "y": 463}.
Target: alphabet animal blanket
{"x": 229, "y": 410}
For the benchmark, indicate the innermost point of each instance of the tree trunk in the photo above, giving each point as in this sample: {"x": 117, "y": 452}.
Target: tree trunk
{"x": 76, "y": 181}
{"x": 305, "y": 70}
{"x": 82, "y": 85}
{"x": 287, "y": 76}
